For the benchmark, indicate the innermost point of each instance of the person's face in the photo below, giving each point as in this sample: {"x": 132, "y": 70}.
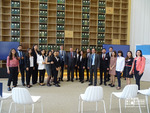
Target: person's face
{"x": 50, "y": 53}
{"x": 61, "y": 47}
{"x": 110, "y": 49}
{"x": 77, "y": 50}
{"x": 43, "y": 52}
{"x": 129, "y": 54}
{"x": 138, "y": 53}
{"x": 113, "y": 53}
{"x": 20, "y": 48}
{"x": 119, "y": 54}
{"x": 88, "y": 50}
{"x": 52, "y": 50}
{"x": 103, "y": 51}
{"x": 35, "y": 47}
{"x": 30, "y": 51}
{"x": 13, "y": 51}
{"x": 71, "y": 49}
{"x": 81, "y": 52}
{"x": 55, "y": 54}
{"x": 93, "y": 50}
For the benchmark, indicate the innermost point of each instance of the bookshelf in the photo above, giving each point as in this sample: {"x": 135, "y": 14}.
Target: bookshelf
{"x": 89, "y": 23}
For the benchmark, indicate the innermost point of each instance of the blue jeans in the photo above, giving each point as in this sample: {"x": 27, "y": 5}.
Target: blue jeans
{"x": 118, "y": 77}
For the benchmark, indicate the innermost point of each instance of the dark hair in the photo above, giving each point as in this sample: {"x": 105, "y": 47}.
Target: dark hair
{"x": 78, "y": 50}
{"x": 115, "y": 54}
{"x": 120, "y": 52}
{"x": 127, "y": 55}
{"x": 110, "y": 47}
{"x": 27, "y": 53}
{"x": 20, "y": 45}
{"x": 41, "y": 52}
{"x": 10, "y": 54}
{"x": 49, "y": 52}
{"x": 33, "y": 47}
{"x": 140, "y": 52}
{"x": 103, "y": 49}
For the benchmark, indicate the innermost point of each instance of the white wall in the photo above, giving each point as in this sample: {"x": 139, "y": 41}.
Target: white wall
{"x": 140, "y": 23}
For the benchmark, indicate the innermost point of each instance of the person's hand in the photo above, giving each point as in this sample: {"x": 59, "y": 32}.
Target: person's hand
{"x": 27, "y": 69}
{"x": 83, "y": 67}
{"x": 18, "y": 70}
{"x": 18, "y": 58}
{"x": 57, "y": 69}
{"x": 66, "y": 66}
{"x": 130, "y": 72}
{"x": 52, "y": 62}
{"x": 120, "y": 71}
{"x": 107, "y": 68}
{"x": 33, "y": 68}
{"x": 43, "y": 62}
{"x": 88, "y": 68}
{"x": 8, "y": 71}
{"x": 110, "y": 68}
{"x": 97, "y": 68}
{"x": 140, "y": 73}
{"x": 22, "y": 58}
{"x": 75, "y": 65}
{"x": 78, "y": 67}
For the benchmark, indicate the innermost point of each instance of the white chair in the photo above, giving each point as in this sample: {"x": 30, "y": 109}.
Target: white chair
{"x": 4, "y": 97}
{"x": 23, "y": 97}
{"x": 146, "y": 92}
{"x": 129, "y": 92}
{"x": 92, "y": 94}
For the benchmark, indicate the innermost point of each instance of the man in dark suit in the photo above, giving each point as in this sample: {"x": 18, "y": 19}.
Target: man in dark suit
{"x": 109, "y": 54}
{"x": 86, "y": 64}
{"x": 70, "y": 64}
{"x": 104, "y": 66}
{"x": 62, "y": 55}
{"x": 93, "y": 65}
{"x": 21, "y": 56}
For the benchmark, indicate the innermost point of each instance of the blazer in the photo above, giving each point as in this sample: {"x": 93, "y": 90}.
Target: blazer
{"x": 21, "y": 61}
{"x": 56, "y": 63}
{"x": 97, "y": 61}
{"x": 140, "y": 64}
{"x": 27, "y": 62}
{"x": 104, "y": 64}
{"x": 81, "y": 63}
{"x": 86, "y": 60}
{"x": 62, "y": 57}
{"x": 71, "y": 61}
{"x": 40, "y": 61}
{"x": 77, "y": 59}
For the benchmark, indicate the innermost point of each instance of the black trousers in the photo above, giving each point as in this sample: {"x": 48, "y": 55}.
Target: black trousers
{"x": 13, "y": 76}
{"x": 81, "y": 74}
{"x": 42, "y": 75}
{"x": 28, "y": 75}
{"x": 76, "y": 71}
{"x": 35, "y": 75}
{"x": 93, "y": 69}
{"x": 62, "y": 69}
{"x": 55, "y": 74}
{"x": 70, "y": 69}
{"x": 137, "y": 78}
{"x": 22, "y": 73}
{"x": 101, "y": 75}
{"x": 87, "y": 71}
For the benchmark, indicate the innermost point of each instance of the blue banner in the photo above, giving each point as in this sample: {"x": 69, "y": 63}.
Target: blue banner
{"x": 144, "y": 48}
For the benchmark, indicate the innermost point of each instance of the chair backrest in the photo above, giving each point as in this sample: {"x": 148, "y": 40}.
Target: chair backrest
{"x": 130, "y": 91}
{"x": 148, "y": 92}
{"x": 94, "y": 93}
{"x": 21, "y": 96}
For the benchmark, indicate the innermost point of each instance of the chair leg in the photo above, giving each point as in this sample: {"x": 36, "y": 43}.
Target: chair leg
{"x": 139, "y": 105}
{"x": 15, "y": 107}
{"x": 24, "y": 108}
{"x": 104, "y": 106}
{"x": 10, "y": 107}
{"x": 146, "y": 97}
{"x": 110, "y": 100}
{"x": 41, "y": 106}
{"x": 125, "y": 103}
{"x": 96, "y": 106}
{"x": 120, "y": 105}
{"x": 32, "y": 108}
{"x": 1, "y": 102}
{"x": 82, "y": 107}
{"x": 79, "y": 105}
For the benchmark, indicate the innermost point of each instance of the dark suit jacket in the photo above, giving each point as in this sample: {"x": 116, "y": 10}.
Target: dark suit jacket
{"x": 70, "y": 61}
{"x": 27, "y": 62}
{"x": 56, "y": 63}
{"x": 86, "y": 61}
{"x": 97, "y": 61}
{"x": 81, "y": 63}
{"x": 21, "y": 61}
{"x": 64, "y": 56}
{"x": 104, "y": 64}
{"x": 77, "y": 58}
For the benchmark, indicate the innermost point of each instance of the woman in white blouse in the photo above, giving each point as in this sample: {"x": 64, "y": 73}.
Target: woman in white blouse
{"x": 119, "y": 67}
{"x": 41, "y": 66}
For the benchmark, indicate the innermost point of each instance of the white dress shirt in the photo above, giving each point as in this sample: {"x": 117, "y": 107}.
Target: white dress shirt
{"x": 31, "y": 61}
{"x": 120, "y": 63}
{"x": 40, "y": 61}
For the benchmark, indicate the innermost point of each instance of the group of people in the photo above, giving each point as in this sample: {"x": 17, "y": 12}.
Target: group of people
{"x": 109, "y": 64}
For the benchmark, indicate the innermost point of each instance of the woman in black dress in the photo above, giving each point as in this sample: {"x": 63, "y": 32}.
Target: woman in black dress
{"x": 128, "y": 65}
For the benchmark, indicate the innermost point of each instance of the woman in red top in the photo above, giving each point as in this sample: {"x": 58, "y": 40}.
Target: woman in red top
{"x": 138, "y": 67}
{"x": 12, "y": 68}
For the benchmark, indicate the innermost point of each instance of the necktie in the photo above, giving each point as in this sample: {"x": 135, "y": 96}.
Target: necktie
{"x": 92, "y": 58}
{"x": 103, "y": 57}
{"x": 71, "y": 54}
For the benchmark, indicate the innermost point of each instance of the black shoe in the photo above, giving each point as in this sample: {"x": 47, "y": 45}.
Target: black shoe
{"x": 68, "y": 80}
{"x": 90, "y": 84}
{"x": 110, "y": 84}
{"x": 82, "y": 81}
{"x": 57, "y": 85}
{"x": 9, "y": 89}
{"x": 87, "y": 80}
{"x": 48, "y": 85}
{"x": 71, "y": 80}
{"x": 76, "y": 78}
{"x": 62, "y": 80}
{"x": 28, "y": 86}
{"x": 23, "y": 84}
{"x": 100, "y": 83}
{"x": 105, "y": 84}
